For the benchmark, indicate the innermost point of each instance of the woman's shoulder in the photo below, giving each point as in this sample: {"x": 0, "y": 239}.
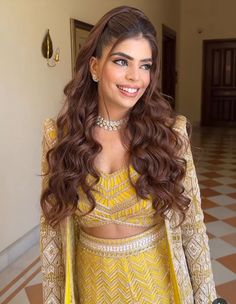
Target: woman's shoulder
{"x": 50, "y": 131}
{"x": 180, "y": 124}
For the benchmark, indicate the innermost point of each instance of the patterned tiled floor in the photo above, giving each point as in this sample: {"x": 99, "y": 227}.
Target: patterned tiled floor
{"x": 215, "y": 161}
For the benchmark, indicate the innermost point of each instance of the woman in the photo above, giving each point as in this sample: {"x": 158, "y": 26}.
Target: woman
{"x": 121, "y": 220}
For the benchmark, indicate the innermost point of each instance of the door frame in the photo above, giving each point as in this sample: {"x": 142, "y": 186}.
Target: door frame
{"x": 171, "y": 34}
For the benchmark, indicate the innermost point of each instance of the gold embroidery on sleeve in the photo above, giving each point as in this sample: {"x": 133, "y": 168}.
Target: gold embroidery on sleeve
{"x": 193, "y": 229}
{"x": 50, "y": 238}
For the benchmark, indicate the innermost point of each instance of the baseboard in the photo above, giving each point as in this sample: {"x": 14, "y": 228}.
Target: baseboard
{"x": 18, "y": 248}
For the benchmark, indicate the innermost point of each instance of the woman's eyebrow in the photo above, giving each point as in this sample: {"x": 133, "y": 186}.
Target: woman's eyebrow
{"x": 129, "y": 57}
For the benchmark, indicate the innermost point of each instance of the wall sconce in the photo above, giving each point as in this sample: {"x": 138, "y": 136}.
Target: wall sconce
{"x": 47, "y": 51}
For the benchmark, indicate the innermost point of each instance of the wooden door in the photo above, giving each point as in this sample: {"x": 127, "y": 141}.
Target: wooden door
{"x": 168, "y": 64}
{"x": 219, "y": 83}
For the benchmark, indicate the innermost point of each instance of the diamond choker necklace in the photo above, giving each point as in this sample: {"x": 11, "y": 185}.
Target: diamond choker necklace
{"x": 110, "y": 125}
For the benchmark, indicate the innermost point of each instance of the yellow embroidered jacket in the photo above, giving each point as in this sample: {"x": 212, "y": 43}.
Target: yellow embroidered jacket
{"x": 188, "y": 243}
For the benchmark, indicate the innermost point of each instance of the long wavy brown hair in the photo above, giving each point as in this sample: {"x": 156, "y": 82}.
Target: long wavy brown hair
{"x": 152, "y": 143}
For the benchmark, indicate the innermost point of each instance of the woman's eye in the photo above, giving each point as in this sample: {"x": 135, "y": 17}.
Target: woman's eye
{"x": 122, "y": 62}
{"x": 146, "y": 66}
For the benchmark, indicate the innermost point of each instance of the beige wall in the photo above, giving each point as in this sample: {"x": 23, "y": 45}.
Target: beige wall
{"x": 217, "y": 20}
{"x": 30, "y": 92}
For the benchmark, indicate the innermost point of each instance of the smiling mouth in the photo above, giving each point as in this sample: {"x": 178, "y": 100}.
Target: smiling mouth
{"x": 128, "y": 90}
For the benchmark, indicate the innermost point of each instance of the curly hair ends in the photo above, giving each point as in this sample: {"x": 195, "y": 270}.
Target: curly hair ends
{"x": 153, "y": 144}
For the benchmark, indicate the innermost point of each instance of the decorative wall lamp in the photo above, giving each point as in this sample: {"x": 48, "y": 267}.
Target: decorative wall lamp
{"x": 47, "y": 51}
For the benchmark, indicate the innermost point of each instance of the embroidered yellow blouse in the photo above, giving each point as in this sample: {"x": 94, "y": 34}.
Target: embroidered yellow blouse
{"x": 116, "y": 202}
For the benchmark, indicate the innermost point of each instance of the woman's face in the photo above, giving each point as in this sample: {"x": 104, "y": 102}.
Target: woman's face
{"x": 123, "y": 74}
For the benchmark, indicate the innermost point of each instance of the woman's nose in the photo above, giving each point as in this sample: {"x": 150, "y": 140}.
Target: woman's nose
{"x": 133, "y": 73}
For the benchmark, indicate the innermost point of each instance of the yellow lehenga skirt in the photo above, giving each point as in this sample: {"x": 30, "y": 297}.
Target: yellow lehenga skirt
{"x": 132, "y": 270}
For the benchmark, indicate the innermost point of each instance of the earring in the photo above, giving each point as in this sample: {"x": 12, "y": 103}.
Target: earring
{"x": 94, "y": 78}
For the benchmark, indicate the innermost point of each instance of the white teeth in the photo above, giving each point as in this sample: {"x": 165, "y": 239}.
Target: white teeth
{"x": 129, "y": 90}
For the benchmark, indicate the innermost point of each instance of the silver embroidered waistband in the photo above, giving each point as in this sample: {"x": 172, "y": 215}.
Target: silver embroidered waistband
{"x": 133, "y": 244}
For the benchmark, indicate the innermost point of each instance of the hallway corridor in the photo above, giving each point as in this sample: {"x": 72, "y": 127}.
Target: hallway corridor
{"x": 215, "y": 160}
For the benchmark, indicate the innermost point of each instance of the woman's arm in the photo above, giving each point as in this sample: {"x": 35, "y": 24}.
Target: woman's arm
{"x": 50, "y": 238}
{"x": 194, "y": 237}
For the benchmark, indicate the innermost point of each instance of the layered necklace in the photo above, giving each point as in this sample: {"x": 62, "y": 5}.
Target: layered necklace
{"x": 111, "y": 125}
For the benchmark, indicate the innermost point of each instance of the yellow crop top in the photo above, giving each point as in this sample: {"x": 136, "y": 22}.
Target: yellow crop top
{"x": 116, "y": 202}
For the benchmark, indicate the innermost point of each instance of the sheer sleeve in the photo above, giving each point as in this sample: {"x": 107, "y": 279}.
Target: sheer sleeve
{"x": 50, "y": 238}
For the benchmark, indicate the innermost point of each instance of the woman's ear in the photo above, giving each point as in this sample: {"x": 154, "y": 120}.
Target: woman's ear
{"x": 93, "y": 65}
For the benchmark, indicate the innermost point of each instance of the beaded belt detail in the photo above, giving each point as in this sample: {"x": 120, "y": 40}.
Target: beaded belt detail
{"x": 124, "y": 246}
